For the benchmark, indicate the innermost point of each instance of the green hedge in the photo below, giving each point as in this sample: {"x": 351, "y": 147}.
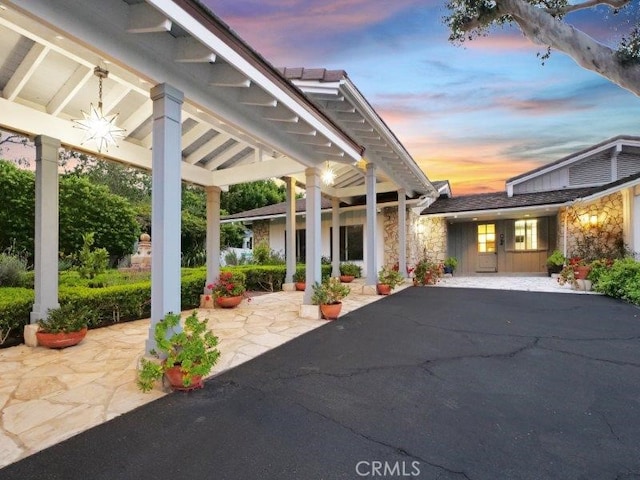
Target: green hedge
{"x": 15, "y": 308}
{"x": 128, "y": 301}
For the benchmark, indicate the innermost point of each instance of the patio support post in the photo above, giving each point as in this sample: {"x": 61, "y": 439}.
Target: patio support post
{"x": 335, "y": 236}
{"x": 313, "y": 237}
{"x": 166, "y": 202}
{"x": 370, "y": 182}
{"x": 290, "y": 228}
{"x": 46, "y": 229}
{"x": 402, "y": 232}
{"x": 213, "y": 235}
{"x": 627, "y": 216}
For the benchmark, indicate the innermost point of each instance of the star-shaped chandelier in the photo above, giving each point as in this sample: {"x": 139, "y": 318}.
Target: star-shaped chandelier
{"x": 328, "y": 175}
{"x": 100, "y": 128}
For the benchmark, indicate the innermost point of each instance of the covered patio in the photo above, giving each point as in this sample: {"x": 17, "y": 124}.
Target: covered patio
{"x": 194, "y": 103}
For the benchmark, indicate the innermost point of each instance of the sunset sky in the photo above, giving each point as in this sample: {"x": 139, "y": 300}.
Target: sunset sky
{"x": 475, "y": 115}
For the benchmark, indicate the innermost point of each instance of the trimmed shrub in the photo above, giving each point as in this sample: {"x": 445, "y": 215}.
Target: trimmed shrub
{"x": 622, "y": 280}
{"x": 15, "y": 307}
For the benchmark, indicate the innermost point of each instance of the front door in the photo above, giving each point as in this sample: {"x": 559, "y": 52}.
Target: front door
{"x": 487, "y": 252}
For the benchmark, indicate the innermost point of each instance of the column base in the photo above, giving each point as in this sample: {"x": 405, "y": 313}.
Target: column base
{"x": 207, "y": 301}
{"x": 310, "y": 311}
{"x": 30, "y": 339}
{"x": 288, "y": 287}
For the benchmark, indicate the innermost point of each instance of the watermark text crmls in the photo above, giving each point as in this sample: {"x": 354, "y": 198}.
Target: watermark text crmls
{"x": 379, "y": 469}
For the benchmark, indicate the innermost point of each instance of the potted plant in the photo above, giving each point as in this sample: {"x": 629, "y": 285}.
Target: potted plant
{"x": 329, "y": 295}
{"x": 300, "y": 279}
{"x": 64, "y": 326}
{"x": 388, "y": 279}
{"x": 555, "y": 262}
{"x": 450, "y": 264}
{"x": 186, "y": 355}
{"x": 229, "y": 289}
{"x": 427, "y": 272}
{"x": 349, "y": 271}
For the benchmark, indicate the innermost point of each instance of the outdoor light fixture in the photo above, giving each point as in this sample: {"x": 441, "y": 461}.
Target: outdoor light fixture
{"x": 328, "y": 174}
{"x": 100, "y": 129}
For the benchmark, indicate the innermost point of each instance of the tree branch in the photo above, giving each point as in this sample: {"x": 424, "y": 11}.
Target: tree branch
{"x": 544, "y": 29}
{"x": 615, "y": 4}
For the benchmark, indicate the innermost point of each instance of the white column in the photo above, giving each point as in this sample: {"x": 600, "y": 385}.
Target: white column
{"x": 166, "y": 202}
{"x": 627, "y": 216}
{"x": 290, "y": 229}
{"x": 335, "y": 236}
{"x": 213, "y": 235}
{"x": 370, "y": 182}
{"x": 635, "y": 245}
{"x": 46, "y": 227}
{"x": 402, "y": 232}
{"x": 313, "y": 237}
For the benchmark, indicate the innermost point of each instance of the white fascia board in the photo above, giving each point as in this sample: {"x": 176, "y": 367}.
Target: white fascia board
{"x": 365, "y": 109}
{"x": 200, "y": 32}
{"x": 618, "y": 144}
{"x": 495, "y": 211}
{"x": 22, "y": 119}
{"x": 608, "y": 191}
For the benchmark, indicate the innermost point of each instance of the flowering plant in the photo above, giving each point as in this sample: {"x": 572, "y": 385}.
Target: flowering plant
{"x": 229, "y": 284}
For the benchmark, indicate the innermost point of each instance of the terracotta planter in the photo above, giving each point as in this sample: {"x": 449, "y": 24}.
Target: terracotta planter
{"x": 175, "y": 376}
{"x": 347, "y": 278}
{"x": 331, "y": 311}
{"x": 383, "y": 289}
{"x": 300, "y": 286}
{"x": 582, "y": 271}
{"x": 60, "y": 340}
{"x": 229, "y": 302}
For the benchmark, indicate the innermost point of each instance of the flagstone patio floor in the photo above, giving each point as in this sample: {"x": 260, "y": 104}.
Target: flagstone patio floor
{"x": 48, "y": 395}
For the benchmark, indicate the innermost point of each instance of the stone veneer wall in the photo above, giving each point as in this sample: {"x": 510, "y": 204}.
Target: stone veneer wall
{"x": 608, "y": 230}
{"x": 425, "y": 237}
{"x": 390, "y": 235}
{"x": 432, "y": 238}
{"x": 260, "y": 232}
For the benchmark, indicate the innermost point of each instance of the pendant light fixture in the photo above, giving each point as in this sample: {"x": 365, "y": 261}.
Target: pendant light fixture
{"x": 100, "y": 129}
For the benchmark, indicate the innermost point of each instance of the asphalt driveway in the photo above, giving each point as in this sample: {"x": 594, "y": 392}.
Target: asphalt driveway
{"x": 430, "y": 383}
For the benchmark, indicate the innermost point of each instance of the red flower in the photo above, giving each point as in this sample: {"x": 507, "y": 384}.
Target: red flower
{"x": 207, "y": 298}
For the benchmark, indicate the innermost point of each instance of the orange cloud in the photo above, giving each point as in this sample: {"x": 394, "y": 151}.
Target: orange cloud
{"x": 470, "y": 168}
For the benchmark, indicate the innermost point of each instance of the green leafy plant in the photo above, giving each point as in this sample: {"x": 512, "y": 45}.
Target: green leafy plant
{"x": 352, "y": 269}
{"x": 193, "y": 348}
{"x": 329, "y": 292}
{"x": 92, "y": 261}
{"x": 451, "y": 262}
{"x": 556, "y": 259}
{"x": 66, "y": 318}
{"x": 12, "y": 269}
{"x": 621, "y": 280}
{"x": 391, "y": 277}
{"x": 300, "y": 275}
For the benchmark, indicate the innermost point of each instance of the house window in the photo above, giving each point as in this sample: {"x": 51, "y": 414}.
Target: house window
{"x": 526, "y": 235}
{"x": 351, "y": 243}
{"x": 486, "y": 238}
